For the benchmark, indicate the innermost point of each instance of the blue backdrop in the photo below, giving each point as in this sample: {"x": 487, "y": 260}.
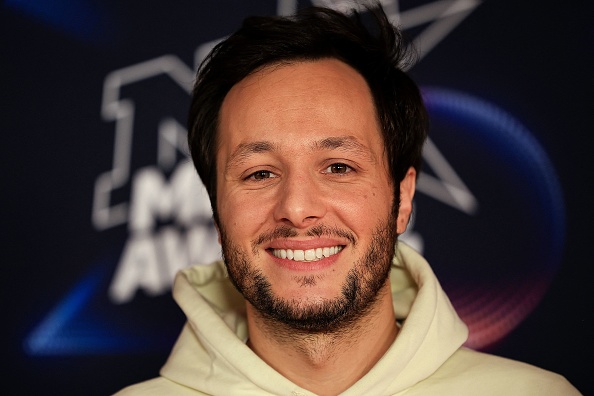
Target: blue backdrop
{"x": 101, "y": 206}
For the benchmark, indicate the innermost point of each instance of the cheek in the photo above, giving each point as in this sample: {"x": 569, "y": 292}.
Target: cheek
{"x": 243, "y": 214}
{"x": 364, "y": 207}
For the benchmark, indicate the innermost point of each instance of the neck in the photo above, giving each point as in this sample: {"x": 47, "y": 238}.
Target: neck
{"x": 323, "y": 362}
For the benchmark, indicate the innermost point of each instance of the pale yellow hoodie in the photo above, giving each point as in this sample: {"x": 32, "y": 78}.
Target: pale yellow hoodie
{"x": 427, "y": 358}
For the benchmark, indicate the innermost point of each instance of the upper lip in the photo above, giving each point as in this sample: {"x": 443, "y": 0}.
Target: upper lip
{"x": 295, "y": 244}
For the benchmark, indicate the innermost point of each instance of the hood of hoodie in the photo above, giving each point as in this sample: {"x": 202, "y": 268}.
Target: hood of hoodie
{"x": 211, "y": 355}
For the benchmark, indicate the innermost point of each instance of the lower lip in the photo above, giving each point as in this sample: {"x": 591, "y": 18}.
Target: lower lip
{"x": 306, "y": 266}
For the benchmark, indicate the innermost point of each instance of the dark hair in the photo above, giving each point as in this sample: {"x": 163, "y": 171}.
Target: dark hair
{"x": 379, "y": 54}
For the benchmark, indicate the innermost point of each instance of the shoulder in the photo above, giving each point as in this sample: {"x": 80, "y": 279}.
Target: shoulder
{"x": 157, "y": 387}
{"x": 478, "y": 373}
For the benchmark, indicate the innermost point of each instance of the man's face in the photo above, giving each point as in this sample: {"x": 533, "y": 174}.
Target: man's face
{"x": 305, "y": 200}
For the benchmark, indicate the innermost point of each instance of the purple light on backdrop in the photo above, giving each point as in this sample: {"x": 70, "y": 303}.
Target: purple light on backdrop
{"x": 512, "y": 248}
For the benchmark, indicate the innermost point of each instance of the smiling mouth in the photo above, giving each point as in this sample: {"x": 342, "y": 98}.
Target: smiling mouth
{"x": 306, "y": 255}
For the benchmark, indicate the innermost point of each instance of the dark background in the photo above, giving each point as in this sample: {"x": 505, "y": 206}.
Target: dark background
{"x": 532, "y": 58}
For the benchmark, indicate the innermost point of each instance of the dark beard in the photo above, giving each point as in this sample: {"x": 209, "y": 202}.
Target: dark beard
{"x": 359, "y": 291}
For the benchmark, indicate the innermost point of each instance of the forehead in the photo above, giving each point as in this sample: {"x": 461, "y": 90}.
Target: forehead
{"x": 299, "y": 102}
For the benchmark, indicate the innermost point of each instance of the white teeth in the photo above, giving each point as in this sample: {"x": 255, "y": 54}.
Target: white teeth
{"x": 298, "y": 255}
{"x": 306, "y": 255}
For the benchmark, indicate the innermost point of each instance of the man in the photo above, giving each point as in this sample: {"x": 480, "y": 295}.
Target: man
{"x": 308, "y": 137}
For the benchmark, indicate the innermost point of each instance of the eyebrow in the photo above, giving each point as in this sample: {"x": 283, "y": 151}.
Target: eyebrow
{"x": 245, "y": 150}
{"x": 346, "y": 143}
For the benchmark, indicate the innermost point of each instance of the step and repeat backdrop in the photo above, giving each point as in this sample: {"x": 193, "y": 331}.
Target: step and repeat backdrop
{"x": 101, "y": 205}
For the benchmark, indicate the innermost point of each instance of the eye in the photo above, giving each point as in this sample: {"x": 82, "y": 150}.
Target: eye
{"x": 339, "y": 168}
{"x": 261, "y": 175}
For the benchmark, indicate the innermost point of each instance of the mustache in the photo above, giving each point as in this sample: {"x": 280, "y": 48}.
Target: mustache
{"x": 319, "y": 230}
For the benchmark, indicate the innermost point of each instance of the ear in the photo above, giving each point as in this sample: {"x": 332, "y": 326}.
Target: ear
{"x": 407, "y": 192}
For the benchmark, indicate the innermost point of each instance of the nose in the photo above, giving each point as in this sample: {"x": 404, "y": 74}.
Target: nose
{"x": 300, "y": 202}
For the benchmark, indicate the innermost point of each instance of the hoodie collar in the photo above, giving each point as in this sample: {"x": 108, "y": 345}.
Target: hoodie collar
{"x": 211, "y": 356}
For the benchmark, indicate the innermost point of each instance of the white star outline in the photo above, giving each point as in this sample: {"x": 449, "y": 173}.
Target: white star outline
{"x": 441, "y": 17}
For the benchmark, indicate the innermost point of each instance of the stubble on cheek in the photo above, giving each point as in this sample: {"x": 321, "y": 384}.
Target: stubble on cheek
{"x": 358, "y": 293}
{"x": 279, "y": 232}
